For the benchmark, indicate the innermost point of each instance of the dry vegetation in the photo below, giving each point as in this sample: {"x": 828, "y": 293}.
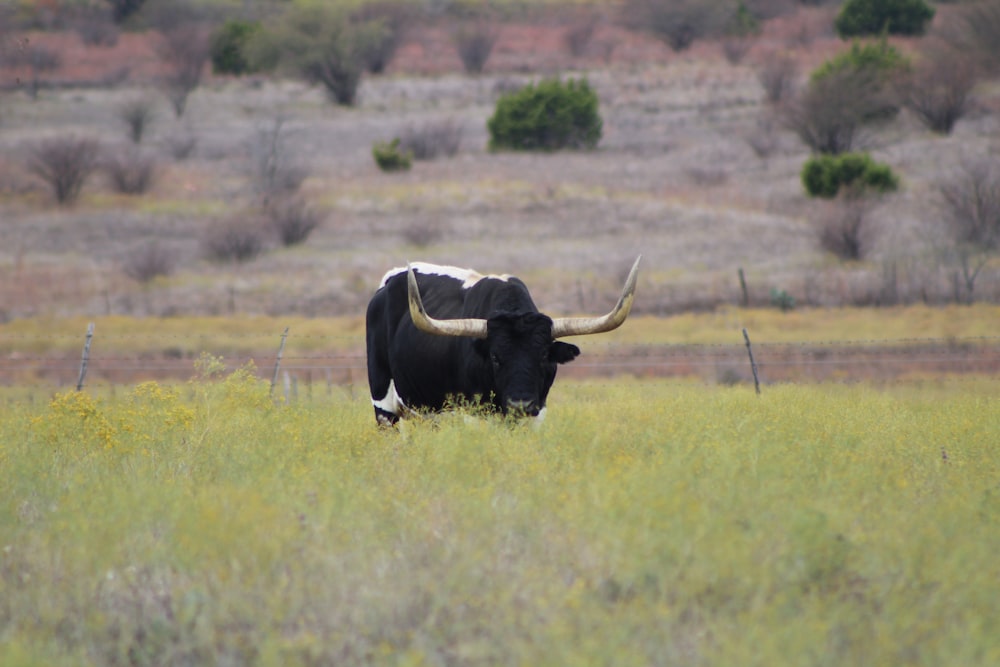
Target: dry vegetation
{"x": 693, "y": 171}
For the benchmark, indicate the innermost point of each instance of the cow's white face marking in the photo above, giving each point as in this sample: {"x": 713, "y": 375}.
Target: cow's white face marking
{"x": 391, "y": 402}
{"x": 468, "y": 277}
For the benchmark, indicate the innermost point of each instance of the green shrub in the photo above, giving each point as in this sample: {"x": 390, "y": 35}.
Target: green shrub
{"x": 826, "y": 175}
{"x": 547, "y": 116}
{"x": 877, "y": 57}
{"x": 388, "y": 157}
{"x": 872, "y": 17}
{"x": 229, "y": 44}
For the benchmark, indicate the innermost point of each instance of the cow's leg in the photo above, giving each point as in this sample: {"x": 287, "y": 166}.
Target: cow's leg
{"x": 388, "y": 405}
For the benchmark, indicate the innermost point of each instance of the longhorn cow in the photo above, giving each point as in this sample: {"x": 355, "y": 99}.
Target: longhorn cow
{"x": 440, "y": 332}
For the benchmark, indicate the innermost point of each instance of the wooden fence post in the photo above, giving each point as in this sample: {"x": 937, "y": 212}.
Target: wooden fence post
{"x": 86, "y": 357}
{"x": 277, "y": 361}
{"x": 753, "y": 364}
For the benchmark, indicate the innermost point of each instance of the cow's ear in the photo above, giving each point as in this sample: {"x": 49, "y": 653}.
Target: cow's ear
{"x": 563, "y": 353}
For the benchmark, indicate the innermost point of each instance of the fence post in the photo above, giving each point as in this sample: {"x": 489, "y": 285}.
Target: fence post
{"x": 86, "y": 356}
{"x": 743, "y": 287}
{"x": 277, "y": 361}
{"x": 753, "y": 364}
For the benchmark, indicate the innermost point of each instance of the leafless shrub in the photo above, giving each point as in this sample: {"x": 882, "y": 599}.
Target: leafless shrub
{"x": 474, "y": 40}
{"x": 130, "y": 171}
{"x": 293, "y": 220}
{"x": 777, "y": 73}
{"x": 36, "y": 58}
{"x": 829, "y": 114}
{"x": 185, "y": 49}
{"x": 65, "y": 164}
{"x": 938, "y": 90}
{"x": 845, "y": 226}
{"x": 137, "y": 114}
{"x": 707, "y": 176}
{"x": 432, "y": 139}
{"x": 95, "y": 27}
{"x": 736, "y": 47}
{"x": 763, "y": 139}
{"x": 238, "y": 238}
{"x": 122, "y": 10}
{"x": 422, "y": 233}
{"x": 678, "y": 23}
{"x": 974, "y": 29}
{"x": 149, "y": 261}
{"x": 579, "y": 36}
{"x": 275, "y": 171}
{"x": 971, "y": 206}
{"x": 394, "y": 16}
{"x": 181, "y": 145}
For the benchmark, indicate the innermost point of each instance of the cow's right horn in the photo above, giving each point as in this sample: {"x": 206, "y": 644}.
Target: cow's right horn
{"x": 474, "y": 328}
{"x": 579, "y": 326}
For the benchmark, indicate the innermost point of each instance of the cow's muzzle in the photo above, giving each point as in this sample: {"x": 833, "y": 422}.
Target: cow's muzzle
{"x": 522, "y": 407}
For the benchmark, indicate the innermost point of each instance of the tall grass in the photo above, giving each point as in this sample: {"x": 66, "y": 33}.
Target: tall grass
{"x": 641, "y": 523}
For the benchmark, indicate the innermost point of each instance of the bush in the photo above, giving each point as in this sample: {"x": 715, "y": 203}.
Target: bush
{"x": 228, "y": 47}
{"x": 431, "y": 139}
{"x": 321, "y": 44}
{"x": 239, "y": 238}
{"x": 474, "y": 43}
{"x": 293, "y": 220}
{"x": 131, "y": 172}
{"x": 137, "y": 114}
{"x": 148, "y": 262}
{"x": 389, "y": 157}
{"x": 547, "y": 116}
{"x": 65, "y": 163}
{"x": 827, "y": 175}
{"x": 939, "y": 89}
{"x": 677, "y": 23}
{"x": 858, "y": 18}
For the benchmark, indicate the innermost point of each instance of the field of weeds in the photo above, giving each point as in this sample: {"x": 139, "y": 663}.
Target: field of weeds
{"x": 641, "y": 523}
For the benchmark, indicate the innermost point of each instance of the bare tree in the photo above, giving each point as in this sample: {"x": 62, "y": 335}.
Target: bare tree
{"x": 678, "y": 23}
{"x": 939, "y": 89}
{"x": 777, "y": 72}
{"x": 65, "y": 164}
{"x": 238, "y": 238}
{"x": 275, "y": 171}
{"x": 832, "y": 109}
{"x": 971, "y": 207}
{"x": 845, "y": 225}
{"x": 474, "y": 40}
{"x": 137, "y": 114}
{"x": 434, "y": 138}
{"x": 185, "y": 49}
{"x": 974, "y": 29}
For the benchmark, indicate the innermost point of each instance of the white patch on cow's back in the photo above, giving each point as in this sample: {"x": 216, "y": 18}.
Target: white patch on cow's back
{"x": 468, "y": 277}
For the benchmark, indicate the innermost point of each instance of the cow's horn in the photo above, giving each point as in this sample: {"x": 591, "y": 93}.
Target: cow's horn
{"x": 475, "y": 328}
{"x": 578, "y": 326}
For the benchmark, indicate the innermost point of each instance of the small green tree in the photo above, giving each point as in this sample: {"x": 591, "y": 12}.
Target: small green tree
{"x": 827, "y": 175}
{"x": 322, "y": 44}
{"x": 547, "y": 116}
{"x": 229, "y": 44}
{"x": 858, "y": 18}
{"x": 389, "y": 157}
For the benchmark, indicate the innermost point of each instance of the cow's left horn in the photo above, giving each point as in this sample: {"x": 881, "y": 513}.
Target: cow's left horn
{"x": 579, "y": 326}
{"x": 474, "y": 328}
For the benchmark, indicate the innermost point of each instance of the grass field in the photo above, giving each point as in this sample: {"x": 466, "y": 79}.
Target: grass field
{"x": 642, "y": 523}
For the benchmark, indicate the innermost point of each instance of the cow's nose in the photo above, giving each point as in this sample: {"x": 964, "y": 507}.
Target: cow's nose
{"x": 522, "y": 406}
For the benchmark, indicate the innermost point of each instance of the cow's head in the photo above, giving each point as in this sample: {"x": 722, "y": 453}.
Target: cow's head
{"x": 521, "y": 348}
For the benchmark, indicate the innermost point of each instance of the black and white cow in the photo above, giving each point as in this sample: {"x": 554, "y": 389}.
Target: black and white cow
{"x": 435, "y": 332}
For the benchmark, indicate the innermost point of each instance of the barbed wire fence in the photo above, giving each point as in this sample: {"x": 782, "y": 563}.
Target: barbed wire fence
{"x": 313, "y": 366}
